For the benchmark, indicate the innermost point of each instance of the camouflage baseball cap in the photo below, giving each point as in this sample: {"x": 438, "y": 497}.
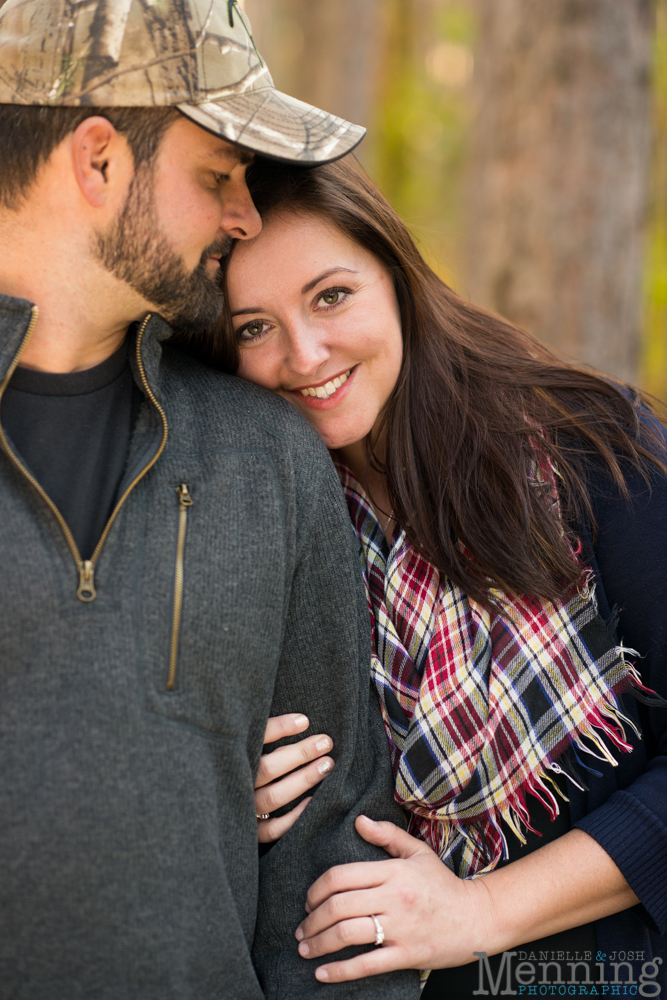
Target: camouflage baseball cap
{"x": 196, "y": 55}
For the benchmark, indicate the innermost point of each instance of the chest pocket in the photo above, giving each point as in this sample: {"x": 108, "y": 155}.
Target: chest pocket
{"x": 214, "y": 588}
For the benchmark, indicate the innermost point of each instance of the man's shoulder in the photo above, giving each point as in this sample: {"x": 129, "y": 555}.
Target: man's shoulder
{"x": 230, "y": 410}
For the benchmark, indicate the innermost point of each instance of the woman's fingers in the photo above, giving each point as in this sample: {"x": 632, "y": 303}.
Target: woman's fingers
{"x": 395, "y": 841}
{"x": 431, "y": 919}
{"x": 280, "y": 726}
{"x": 371, "y": 963}
{"x": 346, "y": 878}
{"x": 357, "y": 930}
{"x": 276, "y": 827}
{"x": 274, "y": 796}
{"x": 329, "y": 921}
{"x": 367, "y": 874}
{"x": 280, "y": 762}
{"x": 286, "y": 773}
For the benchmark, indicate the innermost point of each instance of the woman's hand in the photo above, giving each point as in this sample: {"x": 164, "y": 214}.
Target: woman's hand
{"x": 426, "y": 912}
{"x": 432, "y": 919}
{"x": 276, "y": 786}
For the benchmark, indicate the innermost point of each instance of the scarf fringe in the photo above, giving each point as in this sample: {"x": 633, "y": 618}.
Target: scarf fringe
{"x": 483, "y": 838}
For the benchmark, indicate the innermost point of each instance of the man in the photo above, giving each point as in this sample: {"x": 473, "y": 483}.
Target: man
{"x": 176, "y": 557}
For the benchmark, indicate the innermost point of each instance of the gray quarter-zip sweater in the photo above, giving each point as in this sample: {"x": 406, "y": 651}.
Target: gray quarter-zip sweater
{"x": 134, "y": 692}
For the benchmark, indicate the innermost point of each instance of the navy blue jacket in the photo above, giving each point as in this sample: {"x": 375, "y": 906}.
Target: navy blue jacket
{"x": 625, "y": 808}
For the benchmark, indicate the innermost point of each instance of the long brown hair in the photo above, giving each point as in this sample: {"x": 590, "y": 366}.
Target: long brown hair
{"x": 461, "y": 421}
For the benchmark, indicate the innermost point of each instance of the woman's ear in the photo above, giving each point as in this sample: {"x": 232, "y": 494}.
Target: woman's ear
{"x": 101, "y": 158}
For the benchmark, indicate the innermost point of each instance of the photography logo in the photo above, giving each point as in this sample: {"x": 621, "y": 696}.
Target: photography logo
{"x": 558, "y": 973}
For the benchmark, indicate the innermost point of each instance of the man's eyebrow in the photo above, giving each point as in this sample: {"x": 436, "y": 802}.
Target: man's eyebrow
{"x": 243, "y": 156}
{"x": 325, "y": 274}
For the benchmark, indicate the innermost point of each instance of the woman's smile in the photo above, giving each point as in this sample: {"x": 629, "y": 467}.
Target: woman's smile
{"x": 327, "y": 394}
{"x": 317, "y": 321}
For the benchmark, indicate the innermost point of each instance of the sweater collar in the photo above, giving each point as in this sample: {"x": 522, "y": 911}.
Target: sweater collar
{"x": 16, "y": 316}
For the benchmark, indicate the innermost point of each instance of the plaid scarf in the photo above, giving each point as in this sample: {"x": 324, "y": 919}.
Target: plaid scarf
{"x": 479, "y": 706}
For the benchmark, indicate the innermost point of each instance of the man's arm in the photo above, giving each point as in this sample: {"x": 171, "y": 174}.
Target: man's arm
{"x": 325, "y": 673}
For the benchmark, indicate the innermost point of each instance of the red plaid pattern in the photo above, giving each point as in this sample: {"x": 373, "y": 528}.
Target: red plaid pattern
{"x": 478, "y": 706}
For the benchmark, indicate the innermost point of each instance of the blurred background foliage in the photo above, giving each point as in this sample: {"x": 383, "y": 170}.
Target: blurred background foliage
{"x": 525, "y": 144}
{"x": 654, "y": 354}
{"x": 402, "y": 68}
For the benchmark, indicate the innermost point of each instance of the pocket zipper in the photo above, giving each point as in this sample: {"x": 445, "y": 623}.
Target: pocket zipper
{"x": 184, "y": 502}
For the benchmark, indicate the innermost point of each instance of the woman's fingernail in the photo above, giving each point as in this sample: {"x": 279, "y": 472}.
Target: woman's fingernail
{"x": 324, "y": 744}
{"x": 322, "y": 974}
{"x": 301, "y": 721}
{"x": 304, "y": 949}
{"x": 298, "y": 933}
{"x": 368, "y": 819}
{"x": 325, "y": 767}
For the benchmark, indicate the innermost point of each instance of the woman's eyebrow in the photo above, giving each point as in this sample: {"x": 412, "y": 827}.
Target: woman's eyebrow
{"x": 304, "y": 290}
{"x": 325, "y": 274}
{"x": 244, "y": 312}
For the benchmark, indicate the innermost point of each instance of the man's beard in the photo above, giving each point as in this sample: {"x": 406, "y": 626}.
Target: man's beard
{"x": 136, "y": 252}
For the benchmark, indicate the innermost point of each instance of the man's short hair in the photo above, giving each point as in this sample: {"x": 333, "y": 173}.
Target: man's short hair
{"x": 30, "y": 133}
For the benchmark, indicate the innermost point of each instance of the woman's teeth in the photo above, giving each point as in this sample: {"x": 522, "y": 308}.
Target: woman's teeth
{"x": 324, "y": 391}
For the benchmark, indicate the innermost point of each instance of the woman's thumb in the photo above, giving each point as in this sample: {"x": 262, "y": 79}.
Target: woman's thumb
{"x": 395, "y": 841}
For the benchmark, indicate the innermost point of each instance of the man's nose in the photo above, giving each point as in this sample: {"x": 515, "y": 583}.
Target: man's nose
{"x": 240, "y": 218}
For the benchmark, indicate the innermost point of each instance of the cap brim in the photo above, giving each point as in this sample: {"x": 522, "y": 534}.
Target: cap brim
{"x": 278, "y": 126}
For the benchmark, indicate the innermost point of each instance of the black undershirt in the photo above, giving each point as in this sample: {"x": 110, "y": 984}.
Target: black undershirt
{"x": 72, "y": 432}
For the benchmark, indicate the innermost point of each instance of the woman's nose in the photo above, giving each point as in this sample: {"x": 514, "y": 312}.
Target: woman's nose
{"x": 306, "y": 350}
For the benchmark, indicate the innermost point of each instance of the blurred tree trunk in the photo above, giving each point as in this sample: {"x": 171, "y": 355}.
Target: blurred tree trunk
{"x": 655, "y": 345}
{"x": 324, "y": 52}
{"x": 559, "y": 172}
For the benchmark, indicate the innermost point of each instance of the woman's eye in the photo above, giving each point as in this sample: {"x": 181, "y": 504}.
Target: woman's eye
{"x": 333, "y": 296}
{"x": 253, "y": 330}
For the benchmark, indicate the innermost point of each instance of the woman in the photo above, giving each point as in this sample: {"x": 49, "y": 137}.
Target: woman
{"x": 501, "y": 499}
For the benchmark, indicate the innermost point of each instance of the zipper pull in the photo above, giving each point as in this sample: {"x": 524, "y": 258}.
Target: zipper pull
{"x": 86, "y": 591}
{"x": 183, "y": 494}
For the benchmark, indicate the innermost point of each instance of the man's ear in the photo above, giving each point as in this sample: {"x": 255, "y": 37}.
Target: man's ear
{"x": 101, "y": 158}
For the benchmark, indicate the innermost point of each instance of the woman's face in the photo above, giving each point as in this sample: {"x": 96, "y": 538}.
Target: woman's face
{"x": 318, "y": 322}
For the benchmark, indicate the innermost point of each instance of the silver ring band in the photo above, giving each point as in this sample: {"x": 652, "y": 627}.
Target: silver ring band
{"x": 379, "y": 932}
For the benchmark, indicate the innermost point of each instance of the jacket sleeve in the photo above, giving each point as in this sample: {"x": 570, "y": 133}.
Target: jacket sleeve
{"x": 630, "y": 561}
{"x": 325, "y": 672}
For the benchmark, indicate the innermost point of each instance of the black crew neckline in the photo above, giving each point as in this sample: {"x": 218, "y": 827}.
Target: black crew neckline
{"x": 71, "y": 383}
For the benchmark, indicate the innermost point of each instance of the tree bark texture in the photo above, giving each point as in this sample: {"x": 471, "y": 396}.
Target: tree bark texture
{"x": 325, "y": 52}
{"x": 559, "y": 172}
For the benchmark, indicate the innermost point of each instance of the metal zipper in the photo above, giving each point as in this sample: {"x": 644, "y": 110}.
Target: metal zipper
{"x": 184, "y": 503}
{"x": 85, "y": 567}
{"x": 114, "y": 514}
